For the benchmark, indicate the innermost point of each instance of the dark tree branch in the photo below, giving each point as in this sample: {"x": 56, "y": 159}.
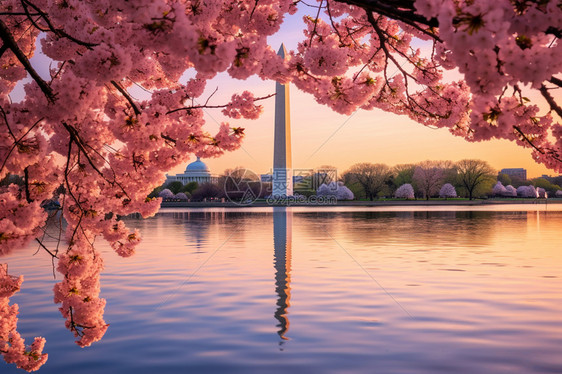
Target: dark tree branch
{"x": 45, "y": 248}
{"x": 212, "y": 106}
{"x": 10, "y": 43}
{"x": 550, "y": 100}
{"x": 400, "y": 10}
{"x": 127, "y": 96}
{"x": 58, "y": 32}
{"x": 551, "y": 153}
{"x": 3, "y": 49}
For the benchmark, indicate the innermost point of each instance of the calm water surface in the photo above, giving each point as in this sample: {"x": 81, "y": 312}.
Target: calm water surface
{"x": 334, "y": 290}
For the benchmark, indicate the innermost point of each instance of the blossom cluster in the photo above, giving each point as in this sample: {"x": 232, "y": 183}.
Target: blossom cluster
{"x": 335, "y": 189}
{"x": 78, "y": 292}
{"x": 405, "y": 191}
{"x": 12, "y": 345}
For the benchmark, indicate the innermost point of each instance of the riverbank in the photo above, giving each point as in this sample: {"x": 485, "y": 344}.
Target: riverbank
{"x": 355, "y": 203}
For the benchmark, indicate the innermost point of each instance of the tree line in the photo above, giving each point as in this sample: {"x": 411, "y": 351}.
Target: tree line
{"x": 471, "y": 179}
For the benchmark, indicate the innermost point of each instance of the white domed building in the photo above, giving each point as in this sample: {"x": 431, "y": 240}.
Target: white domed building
{"x": 197, "y": 171}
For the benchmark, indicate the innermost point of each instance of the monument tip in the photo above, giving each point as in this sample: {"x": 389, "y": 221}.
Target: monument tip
{"x": 282, "y": 51}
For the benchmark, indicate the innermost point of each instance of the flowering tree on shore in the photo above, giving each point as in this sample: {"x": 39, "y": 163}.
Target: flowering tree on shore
{"x": 428, "y": 176}
{"x": 526, "y": 191}
{"x": 499, "y": 189}
{"x": 405, "y": 191}
{"x": 80, "y": 128}
{"x": 510, "y": 191}
{"x": 447, "y": 191}
{"x": 335, "y": 189}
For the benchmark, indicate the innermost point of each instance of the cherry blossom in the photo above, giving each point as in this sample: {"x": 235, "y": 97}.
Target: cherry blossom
{"x": 510, "y": 191}
{"x": 12, "y": 345}
{"x": 405, "y": 191}
{"x": 447, "y": 191}
{"x": 499, "y": 189}
{"x": 335, "y": 189}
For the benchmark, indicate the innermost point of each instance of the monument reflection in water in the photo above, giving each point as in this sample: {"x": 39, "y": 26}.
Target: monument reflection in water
{"x": 282, "y": 227}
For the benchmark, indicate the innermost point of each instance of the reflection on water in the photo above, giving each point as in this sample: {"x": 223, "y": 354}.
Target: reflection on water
{"x": 210, "y": 291}
{"x": 282, "y": 228}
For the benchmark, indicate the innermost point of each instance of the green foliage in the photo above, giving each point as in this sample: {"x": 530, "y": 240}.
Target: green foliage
{"x": 403, "y": 174}
{"x": 357, "y": 190}
{"x": 175, "y": 186}
{"x": 505, "y": 179}
{"x": 207, "y": 191}
{"x": 156, "y": 191}
{"x": 549, "y": 187}
{"x": 190, "y": 187}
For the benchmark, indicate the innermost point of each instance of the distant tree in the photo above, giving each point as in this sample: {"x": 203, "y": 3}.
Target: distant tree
{"x": 156, "y": 192}
{"x": 403, "y": 174}
{"x": 344, "y": 193}
{"x": 353, "y": 186}
{"x": 181, "y": 196}
{"x": 190, "y": 187}
{"x": 518, "y": 182}
{"x": 335, "y": 189}
{"x": 175, "y": 186}
{"x": 473, "y": 174}
{"x": 206, "y": 191}
{"x": 510, "y": 191}
{"x": 504, "y": 178}
{"x": 499, "y": 189}
{"x": 405, "y": 191}
{"x": 526, "y": 191}
{"x": 324, "y": 190}
{"x": 541, "y": 193}
{"x": 558, "y": 193}
{"x": 324, "y": 174}
{"x": 447, "y": 191}
{"x": 371, "y": 177}
{"x": 166, "y": 194}
{"x": 428, "y": 177}
{"x": 546, "y": 185}
{"x": 556, "y": 180}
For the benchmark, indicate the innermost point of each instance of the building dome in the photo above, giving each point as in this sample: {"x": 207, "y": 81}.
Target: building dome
{"x": 197, "y": 171}
{"x": 197, "y": 166}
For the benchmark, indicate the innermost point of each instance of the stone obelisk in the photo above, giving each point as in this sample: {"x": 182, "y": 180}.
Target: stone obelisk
{"x": 282, "y": 181}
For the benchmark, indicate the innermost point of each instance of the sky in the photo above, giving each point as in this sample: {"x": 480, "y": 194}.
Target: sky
{"x": 323, "y": 137}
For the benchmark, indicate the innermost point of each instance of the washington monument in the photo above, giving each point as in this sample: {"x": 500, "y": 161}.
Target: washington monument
{"x": 282, "y": 180}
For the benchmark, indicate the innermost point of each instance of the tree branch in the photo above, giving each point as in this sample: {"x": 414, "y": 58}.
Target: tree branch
{"x": 550, "y": 100}
{"x": 213, "y": 106}
{"x": 400, "y": 10}
{"x": 127, "y": 96}
{"x": 10, "y": 43}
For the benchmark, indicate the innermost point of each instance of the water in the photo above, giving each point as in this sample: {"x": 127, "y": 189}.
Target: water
{"x": 327, "y": 290}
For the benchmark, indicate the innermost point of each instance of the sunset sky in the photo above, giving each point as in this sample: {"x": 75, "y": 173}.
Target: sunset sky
{"x": 323, "y": 137}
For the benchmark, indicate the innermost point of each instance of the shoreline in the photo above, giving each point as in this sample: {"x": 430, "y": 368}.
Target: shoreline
{"x": 375, "y": 203}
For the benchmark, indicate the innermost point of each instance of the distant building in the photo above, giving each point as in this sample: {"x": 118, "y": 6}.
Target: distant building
{"x": 515, "y": 173}
{"x": 197, "y": 171}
